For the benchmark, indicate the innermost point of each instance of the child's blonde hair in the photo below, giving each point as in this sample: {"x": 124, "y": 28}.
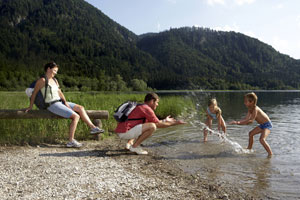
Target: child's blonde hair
{"x": 251, "y": 97}
{"x": 213, "y": 101}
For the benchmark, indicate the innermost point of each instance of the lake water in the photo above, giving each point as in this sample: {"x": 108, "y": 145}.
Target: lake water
{"x": 226, "y": 162}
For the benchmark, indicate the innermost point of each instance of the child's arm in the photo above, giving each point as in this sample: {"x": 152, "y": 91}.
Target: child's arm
{"x": 219, "y": 122}
{"x": 250, "y": 117}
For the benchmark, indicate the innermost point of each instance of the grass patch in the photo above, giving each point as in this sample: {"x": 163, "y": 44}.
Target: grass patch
{"x": 37, "y": 131}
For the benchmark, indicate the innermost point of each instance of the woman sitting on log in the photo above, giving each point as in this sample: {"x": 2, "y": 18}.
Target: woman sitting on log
{"x": 58, "y": 105}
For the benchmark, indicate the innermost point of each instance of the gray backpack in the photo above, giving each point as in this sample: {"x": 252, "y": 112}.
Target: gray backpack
{"x": 122, "y": 112}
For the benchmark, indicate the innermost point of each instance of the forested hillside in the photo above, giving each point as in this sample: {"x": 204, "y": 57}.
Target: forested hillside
{"x": 96, "y": 53}
{"x": 209, "y": 59}
{"x": 93, "y": 51}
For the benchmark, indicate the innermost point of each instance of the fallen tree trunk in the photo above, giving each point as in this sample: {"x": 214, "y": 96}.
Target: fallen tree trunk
{"x": 45, "y": 114}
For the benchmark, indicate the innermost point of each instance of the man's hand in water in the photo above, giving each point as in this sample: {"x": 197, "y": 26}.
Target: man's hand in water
{"x": 171, "y": 121}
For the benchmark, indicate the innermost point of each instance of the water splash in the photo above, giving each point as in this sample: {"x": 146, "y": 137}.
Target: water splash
{"x": 224, "y": 139}
{"x": 196, "y": 123}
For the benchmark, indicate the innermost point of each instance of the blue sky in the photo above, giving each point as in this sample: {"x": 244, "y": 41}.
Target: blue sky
{"x": 275, "y": 22}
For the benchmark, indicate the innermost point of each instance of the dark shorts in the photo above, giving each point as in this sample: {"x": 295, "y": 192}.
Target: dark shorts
{"x": 267, "y": 125}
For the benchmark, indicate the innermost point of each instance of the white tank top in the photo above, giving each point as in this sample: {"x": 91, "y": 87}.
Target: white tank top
{"x": 52, "y": 93}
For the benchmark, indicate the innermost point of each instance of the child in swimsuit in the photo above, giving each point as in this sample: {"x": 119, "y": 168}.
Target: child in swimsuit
{"x": 213, "y": 112}
{"x": 255, "y": 113}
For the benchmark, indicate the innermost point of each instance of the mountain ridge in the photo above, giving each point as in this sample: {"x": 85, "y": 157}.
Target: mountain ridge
{"x": 96, "y": 53}
{"x": 226, "y": 55}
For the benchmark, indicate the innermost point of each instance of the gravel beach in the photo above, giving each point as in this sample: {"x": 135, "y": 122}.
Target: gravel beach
{"x": 99, "y": 170}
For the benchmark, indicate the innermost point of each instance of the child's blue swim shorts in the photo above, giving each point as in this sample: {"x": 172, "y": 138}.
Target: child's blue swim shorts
{"x": 267, "y": 125}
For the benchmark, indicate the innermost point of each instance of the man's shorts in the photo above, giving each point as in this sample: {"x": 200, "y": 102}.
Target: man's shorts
{"x": 133, "y": 133}
{"x": 267, "y": 125}
{"x": 60, "y": 109}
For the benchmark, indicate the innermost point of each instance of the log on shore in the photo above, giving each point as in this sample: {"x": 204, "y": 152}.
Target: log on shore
{"x": 45, "y": 114}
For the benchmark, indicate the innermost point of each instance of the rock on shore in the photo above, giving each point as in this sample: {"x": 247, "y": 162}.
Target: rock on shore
{"x": 99, "y": 170}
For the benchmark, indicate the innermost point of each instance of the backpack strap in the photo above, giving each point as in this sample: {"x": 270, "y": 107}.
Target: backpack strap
{"x": 144, "y": 119}
{"x": 55, "y": 80}
{"x": 134, "y": 119}
{"x": 46, "y": 87}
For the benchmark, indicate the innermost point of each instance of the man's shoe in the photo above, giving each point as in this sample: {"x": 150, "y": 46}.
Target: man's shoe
{"x": 96, "y": 130}
{"x": 138, "y": 150}
{"x": 74, "y": 143}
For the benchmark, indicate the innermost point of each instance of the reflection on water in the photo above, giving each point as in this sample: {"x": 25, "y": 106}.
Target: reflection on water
{"x": 225, "y": 160}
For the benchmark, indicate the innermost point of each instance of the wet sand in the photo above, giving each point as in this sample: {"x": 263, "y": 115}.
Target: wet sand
{"x": 100, "y": 170}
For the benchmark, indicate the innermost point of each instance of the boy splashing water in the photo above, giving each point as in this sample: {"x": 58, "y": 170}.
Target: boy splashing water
{"x": 255, "y": 113}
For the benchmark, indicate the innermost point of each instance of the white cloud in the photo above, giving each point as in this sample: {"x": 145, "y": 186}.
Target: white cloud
{"x": 250, "y": 34}
{"x": 158, "y": 27}
{"x": 278, "y": 6}
{"x": 242, "y": 2}
{"x": 228, "y": 28}
{"x": 280, "y": 44}
{"x": 224, "y": 2}
{"x": 213, "y": 2}
{"x": 286, "y": 47}
{"x": 298, "y": 21}
{"x": 237, "y": 29}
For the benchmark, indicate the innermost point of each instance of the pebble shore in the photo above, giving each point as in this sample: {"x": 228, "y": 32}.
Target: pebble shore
{"x": 99, "y": 170}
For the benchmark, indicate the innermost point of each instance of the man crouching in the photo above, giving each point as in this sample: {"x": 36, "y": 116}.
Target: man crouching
{"x": 142, "y": 123}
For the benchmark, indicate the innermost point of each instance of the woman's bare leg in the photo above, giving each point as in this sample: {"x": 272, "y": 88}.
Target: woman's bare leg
{"x": 75, "y": 118}
{"x": 83, "y": 115}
